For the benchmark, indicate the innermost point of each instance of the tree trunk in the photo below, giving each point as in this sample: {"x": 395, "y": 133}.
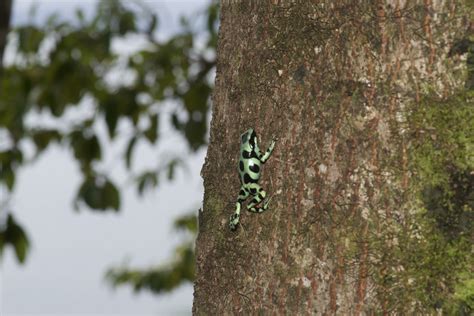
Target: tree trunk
{"x": 333, "y": 81}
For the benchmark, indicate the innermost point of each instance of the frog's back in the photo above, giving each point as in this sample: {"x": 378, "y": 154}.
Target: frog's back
{"x": 249, "y": 168}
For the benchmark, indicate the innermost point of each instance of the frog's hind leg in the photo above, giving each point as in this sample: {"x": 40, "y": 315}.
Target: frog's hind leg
{"x": 258, "y": 196}
{"x": 234, "y": 218}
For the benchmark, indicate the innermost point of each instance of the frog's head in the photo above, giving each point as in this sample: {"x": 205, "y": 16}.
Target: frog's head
{"x": 249, "y": 138}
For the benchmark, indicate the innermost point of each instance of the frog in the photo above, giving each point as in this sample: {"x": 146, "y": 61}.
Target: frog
{"x": 250, "y": 167}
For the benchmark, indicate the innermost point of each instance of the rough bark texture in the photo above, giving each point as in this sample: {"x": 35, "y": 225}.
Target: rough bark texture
{"x": 332, "y": 80}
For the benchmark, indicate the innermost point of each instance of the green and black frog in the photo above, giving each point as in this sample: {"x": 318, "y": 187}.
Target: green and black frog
{"x": 250, "y": 165}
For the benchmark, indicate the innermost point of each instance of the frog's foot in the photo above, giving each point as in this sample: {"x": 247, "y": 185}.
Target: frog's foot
{"x": 252, "y": 207}
{"x": 272, "y": 143}
{"x": 234, "y": 221}
{"x": 266, "y": 202}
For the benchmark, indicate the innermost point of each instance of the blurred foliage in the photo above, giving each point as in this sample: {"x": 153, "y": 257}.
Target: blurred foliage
{"x": 12, "y": 234}
{"x": 167, "y": 277}
{"x": 59, "y": 66}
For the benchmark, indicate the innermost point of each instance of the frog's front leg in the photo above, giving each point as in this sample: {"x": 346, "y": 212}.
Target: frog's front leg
{"x": 258, "y": 196}
{"x": 267, "y": 154}
{"x": 234, "y": 218}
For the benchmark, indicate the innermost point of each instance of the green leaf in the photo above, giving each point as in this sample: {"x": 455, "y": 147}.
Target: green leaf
{"x": 152, "y": 25}
{"x": 158, "y": 279}
{"x": 187, "y": 222}
{"x": 9, "y": 177}
{"x": 126, "y": 100}
{"x": 21, "y": 247}
{"x": 111, "y": 196}
{"x": 9, "y": 160}
{"x": 195, "y": 99}
{"x": 86, "y": 147}
{"x": 42, "y": 138}
{"x": 152, "y": 132}
{"x": 146, "y": 181}
{"x": 99, "y": 193}
{"x": 195, "y": 132}
{"x": 212, "y": 18}
{"x": 176, "y": 122}
{"x": 129, "y": 151}
{"x": 14, "y": 235}
{"x": 11, "y": 156}
{"x": 127, "y": 23}
{"x": 29, "y": 39}
{"x": 89, "y": 193}
{"x": 171, "y": 168}
{"x": 80, "y": 16}
{"x": 2, "y": 242}
{"x": 112, "y": 115}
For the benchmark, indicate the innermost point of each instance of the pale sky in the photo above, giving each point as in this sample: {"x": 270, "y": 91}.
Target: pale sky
{"x": 64, "y": 273}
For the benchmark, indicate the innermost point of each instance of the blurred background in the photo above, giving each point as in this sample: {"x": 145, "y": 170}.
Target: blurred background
{"x": 104, "y": 119}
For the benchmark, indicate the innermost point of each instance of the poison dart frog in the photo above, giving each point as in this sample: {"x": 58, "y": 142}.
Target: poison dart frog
{"x": 250, "y": 165}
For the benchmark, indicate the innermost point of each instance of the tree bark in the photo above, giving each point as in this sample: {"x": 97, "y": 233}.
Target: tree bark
{"x": 5, "y": 13}
{"x": 334, "y": 82}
